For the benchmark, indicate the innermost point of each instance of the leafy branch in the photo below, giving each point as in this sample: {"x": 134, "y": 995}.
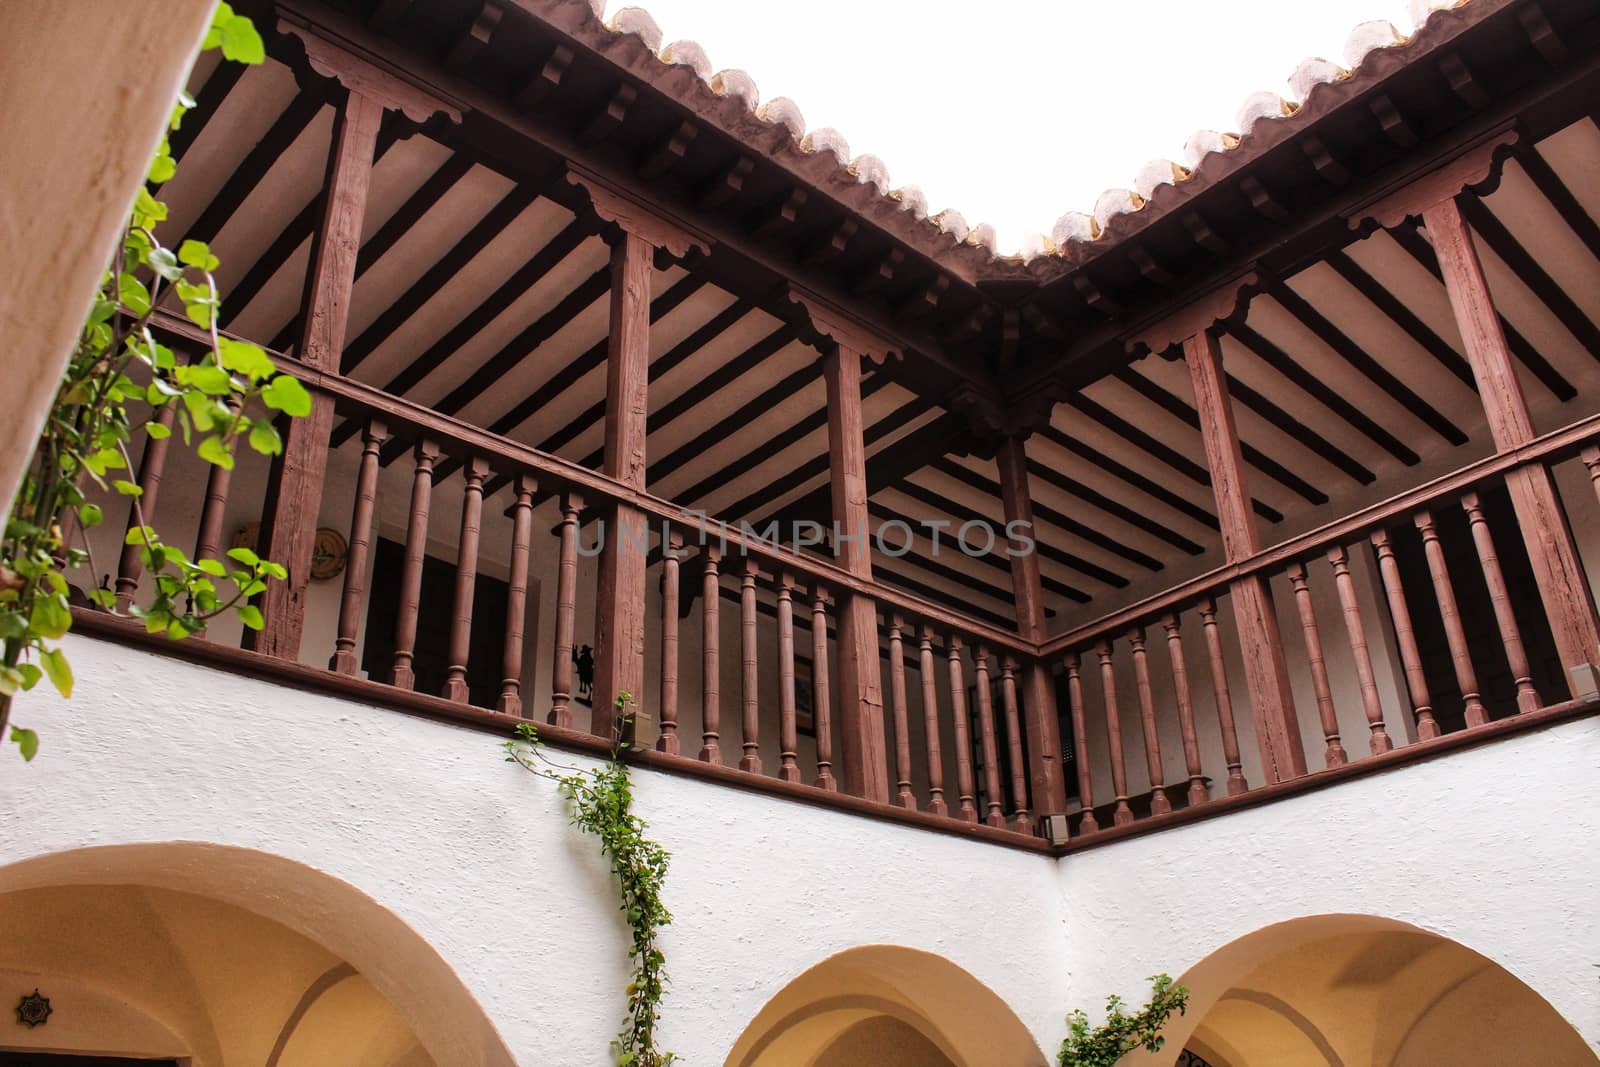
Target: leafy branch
{"x": 1122, "y": 1033}
{"x": 120, "y": 382}
{"x": 601, "y": 803}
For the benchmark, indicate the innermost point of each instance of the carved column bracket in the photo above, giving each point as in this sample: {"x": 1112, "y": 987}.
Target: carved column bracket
{"x": 824, "y": 325}
{"x": 631, "y": 217}
{"x": 1477, "y": 169}
{"x": 1165, "y": 336}
{"x": 331, "y": 59}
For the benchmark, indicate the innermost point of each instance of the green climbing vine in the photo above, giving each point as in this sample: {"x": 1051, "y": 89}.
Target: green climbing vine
{"x": 121, "y": 381}
{"x": 601, "y": 803}
{"x": 1122, "y": 1033}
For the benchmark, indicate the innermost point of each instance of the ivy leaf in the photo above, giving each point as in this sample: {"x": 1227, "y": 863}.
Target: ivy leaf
{"x": 127, "y": 488}
{"x": 212, "y": 567}
{"x": 162, "y": 168}
{"x": 244, "y": 358}
{"x": 90, "y": 516}
{"x": 158, "y": 431}
{"x": 215, "y": 450}
{"x": 250, "y": 615}
{"x": 244, "y": 556}
{"x": 133, "y": 294}
{"x": 264, "y": 438}
{"x": 164, "y": 263}
{"x": 287, "y": 395}
{"x": 197, "y": 254}
{"x": 59, "y": 671}
{"x": 50, "y": 617}
{"x": 30, "y": 675}
{"x": 210, "y": 379}
{"x": 240, "y": 41}
{"x": 27, "y": 741}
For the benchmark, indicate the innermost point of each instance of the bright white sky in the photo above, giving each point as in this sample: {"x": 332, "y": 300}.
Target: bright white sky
{"x": 1016, "y": 111}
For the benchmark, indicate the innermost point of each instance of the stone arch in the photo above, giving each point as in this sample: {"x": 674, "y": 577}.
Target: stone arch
{"x": 361, "y": 952}
{"x": 1337, "y": 990}
{"x": 885, "y": 996}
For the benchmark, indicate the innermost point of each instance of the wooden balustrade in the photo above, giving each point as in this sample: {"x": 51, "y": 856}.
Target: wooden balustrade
{"x": 405, "y": 634}
{"x": 671, "y": 564}
{"x": 517, "y": 595}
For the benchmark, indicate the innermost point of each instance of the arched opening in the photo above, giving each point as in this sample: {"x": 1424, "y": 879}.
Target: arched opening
{"x": 889, "y": 1006}
{"x": 1348, "y": 990}
{"x": 205, "y": 955}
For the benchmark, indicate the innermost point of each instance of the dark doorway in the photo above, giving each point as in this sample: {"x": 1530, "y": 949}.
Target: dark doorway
{"x": 431, "y": 659}
{"x": 1498, "y": 687}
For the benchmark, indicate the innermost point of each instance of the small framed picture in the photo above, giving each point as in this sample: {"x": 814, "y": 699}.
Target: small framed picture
{"x": 805, "y": 714}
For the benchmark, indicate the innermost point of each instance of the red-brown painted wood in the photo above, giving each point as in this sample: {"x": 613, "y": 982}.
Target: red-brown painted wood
{"x": 1333, "y": 751}
{"x": 620, "y": 582}
{"x": 1119, "y": 769}
{"x": 930, "y": 722}
{"x": 1047, "y": 779}
{"x": 1551, "y": 550}
{"x": 289, "y": 527}
{"x": 1405, "y": 636}
{"x": 405, "y": 629}
{"x": 352, "y": 604}
{"x": 821, "y": 698}
{"x": 788, "y": 742}
{"x": 1500, "y": 597}
{"x": 1224, "y": 700}
{"x": 965, "y": 788}
{"x": 208, "y": 541}
{"x": 152, "y": 464}
{"x": 1266, "y": 671}
{"x": 1159, "y": 804}
{"x": 866, "y": 772}
{"x": 749, "y": 677}
{"x": 561, "y": 669}
{"x": 1080, "y": 744}
{"x": 1378, "y": 735}
{"x": 671, "y": 565}
{"x": 474, "y": 473}
{"x": 990, "y": 748}
{"x": 517, "y": 595}
{"x": 1021, "y": 821}
{"x": 1455, "y": 633}
{"x": 710, "y": 655}
{"x": 1198, "y": 793}
{"x": 897, "y": 699}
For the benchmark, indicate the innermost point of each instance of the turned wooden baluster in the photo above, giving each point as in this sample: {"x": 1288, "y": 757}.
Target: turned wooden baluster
{"x": 1500, "y": 596}
{"x": 1080, "y": 745}
{"x": 897, "y": 697}
{"x": 1405, "y": 635}
{"x": 1455, "y": 633}
{"x": 1219, "y": 689}
{"x": 405, "y": 627}
{"x": 986, "y": 738}
{"x": 671, "y": 563}
{"x": 455, "y": 685}
{"x": 561, "y": 669}
{"x": 1186, "y": 727}
{"x": 1378, "y": 739}
{"x": 1159, "y": 804}
{"x": 711, "y": 655}
{"x": 219, "y": 481}
{"x": 965, "y": 787}
{"x": 788, "y": 769}
{"x": 1019, "y": 772}
{"x": 821, "y": 708}
{"x": 1119, "y": 771}
{"x": 930, "y": 722}
{"x": 151, "y": 466}
{"x": 751, "y": 760}
{"x": 1591, "y": 460}
{"x": 352, "y": 602}
{"x": 1333, "y": 754}
{"x": 517, "y": 596}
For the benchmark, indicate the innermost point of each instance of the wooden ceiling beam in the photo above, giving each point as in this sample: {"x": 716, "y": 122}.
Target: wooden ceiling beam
{"x": 1139, "y": 520}
{"x": 207, "y": 102}
{"x": 284, "y": 131}
{"x": 546, "y": 81}
{"x": 994, "y": 560}
{"x": 1554, "y": 190}
{"x": 1130, "y": 477}
{"x": 1395, "y": 309}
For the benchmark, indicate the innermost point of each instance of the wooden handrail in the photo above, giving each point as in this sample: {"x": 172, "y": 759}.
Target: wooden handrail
{"x": 1540, "y": 449}
{"x": 557, "y": 474}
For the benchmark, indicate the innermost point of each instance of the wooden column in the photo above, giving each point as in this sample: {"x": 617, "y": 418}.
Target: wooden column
{"x": 1378, "y": 735}
{"x": 821, "y": 695}
{"x": 988, "y": 743}
{"x": 455, "y": 685}
{"x": 1266, "y": 672}
{"x": 710, "y": 655}
{"x": 865, "y": 763}
{"x": 788, "y": 742}
{"x": 1159, "y": 804}
{"x": 1123, "y": 814}
{"x": 353, "y": 602}
{"x": 1450, "y": 613}
{"x": 1186, "y": 728}
{"x": 1042, "y": 722}
{"x": 930, "y": 721}
{"x": 1224, "y": 699}
{"x": 1405, "y": 635}
{"x": 671, "y": 565}
{"x": 1021, "y": 821}
{"x": 517, "y": 595}
{"x": 1500, "y": 598}
{"x": 405, "y": 625}
{"x": 1333, "y": 753}
{"x": 561, "y": 666}
{"x": 902, "y": 727}
{"x": 620, "y": 587}
{"x": 963, "y": 731}
{"x": 750, "y": 687}
{"x": 1080, "y": 744}
{"x": 1556, "y": 569}
{"x": 289, "y": 524}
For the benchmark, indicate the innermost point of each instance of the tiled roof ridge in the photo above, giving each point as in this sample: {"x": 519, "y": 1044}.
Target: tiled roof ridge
{"x": 862, "y": 182}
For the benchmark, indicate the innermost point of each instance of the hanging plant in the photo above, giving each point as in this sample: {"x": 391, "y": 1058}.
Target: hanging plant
{"x": 600, "y": 802}
{"x": 1122, "y": 1033}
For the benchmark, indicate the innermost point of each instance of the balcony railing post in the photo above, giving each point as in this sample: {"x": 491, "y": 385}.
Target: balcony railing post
{"x": 1046, "y": 775}
{"x": 289, "y": 523}
{"x": 1266, "y": 671}
{"x": 620, "y": 585}
{"x": 1500, "y": 600}
{"x": 1551, "y": 550}
{"x": 455, "y": 685}
{"x": 865, "y": 760}
{"x": 353, "y": 601}
{"x": 517, "y": 595}
{"x": 671, "y": 566}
